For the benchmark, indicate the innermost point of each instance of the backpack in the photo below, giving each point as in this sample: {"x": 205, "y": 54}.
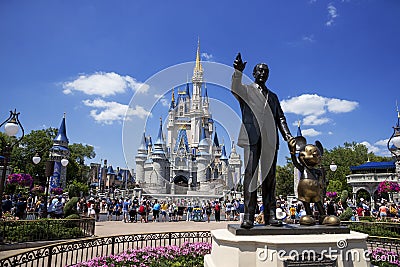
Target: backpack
{"x": 216, "y": 207}
{"x": 141, "y": 209}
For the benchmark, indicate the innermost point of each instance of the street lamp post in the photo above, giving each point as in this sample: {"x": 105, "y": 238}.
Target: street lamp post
{"x": 11, "y": 127}
{"x": 48, "y": 173}
{"x": 393, "y": 144}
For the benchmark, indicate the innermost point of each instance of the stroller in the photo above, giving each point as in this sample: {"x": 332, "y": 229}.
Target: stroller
{"x": 197, "y": 214}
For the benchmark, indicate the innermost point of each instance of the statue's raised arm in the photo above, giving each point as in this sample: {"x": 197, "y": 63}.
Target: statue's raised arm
{"x": 238, "y": 64}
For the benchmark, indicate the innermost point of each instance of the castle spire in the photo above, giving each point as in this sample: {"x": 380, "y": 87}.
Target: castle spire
{"x": 160, "y": 139}
{"x": 198, "y": 68}
{"x": 216, "y": 141}
{"x": 172, "y": 105}
{"x": 298, "y": 129}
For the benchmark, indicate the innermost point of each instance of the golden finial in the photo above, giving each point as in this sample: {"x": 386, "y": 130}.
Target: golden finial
{"x": 173, "y": 95}
{"x": 298, "y": 123}
{"x": 198, "y": 66}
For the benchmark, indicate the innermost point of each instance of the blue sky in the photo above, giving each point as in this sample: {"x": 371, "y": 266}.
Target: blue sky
{"x": 335, "y": 65}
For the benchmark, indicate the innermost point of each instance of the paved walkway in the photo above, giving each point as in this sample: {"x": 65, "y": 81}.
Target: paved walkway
{"x": 109, "y": 228}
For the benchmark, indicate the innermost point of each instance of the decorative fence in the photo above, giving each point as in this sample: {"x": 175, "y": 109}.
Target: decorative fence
{"x": 12, "y": 232}
{"x": 68, "y": 253}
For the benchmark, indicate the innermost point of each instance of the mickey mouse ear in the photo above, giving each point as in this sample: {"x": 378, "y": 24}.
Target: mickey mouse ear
{"x": 320, "y": 147}
{"x": 300, "y": 142}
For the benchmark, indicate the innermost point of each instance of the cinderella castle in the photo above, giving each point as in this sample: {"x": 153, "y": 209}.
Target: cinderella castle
{"x": 190, "y": 160}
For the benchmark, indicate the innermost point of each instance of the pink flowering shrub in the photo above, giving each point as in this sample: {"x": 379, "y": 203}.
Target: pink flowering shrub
{"x": 20, "y": 179}
{"x": 387, "y": 187}
{"x": 331, "y": 195}
{"x": 384, "y": 258}
{"x": 57, "y": 191}
{"x": 189, "y": 254}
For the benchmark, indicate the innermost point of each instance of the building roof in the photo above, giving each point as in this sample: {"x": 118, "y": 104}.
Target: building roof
{"x": 371, "y": 165}
{"x": 62, "y": 132}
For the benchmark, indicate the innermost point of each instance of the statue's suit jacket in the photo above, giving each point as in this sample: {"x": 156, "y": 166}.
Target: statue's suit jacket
{"x": 256, "y": 114}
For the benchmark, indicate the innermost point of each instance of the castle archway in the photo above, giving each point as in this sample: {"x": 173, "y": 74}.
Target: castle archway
{"x": 181, "y": 184}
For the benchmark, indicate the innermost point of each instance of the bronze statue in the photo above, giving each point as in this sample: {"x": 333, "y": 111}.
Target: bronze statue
{"x": 262, "y": 116}
{"x": 312, "y": 181}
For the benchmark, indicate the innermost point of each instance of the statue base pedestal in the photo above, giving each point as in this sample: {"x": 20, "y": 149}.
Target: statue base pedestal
{"x": 287, "y": 250}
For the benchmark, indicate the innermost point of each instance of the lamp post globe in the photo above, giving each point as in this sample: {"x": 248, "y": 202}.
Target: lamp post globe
{"x": 333, "y": 166}
{"x": 396, "y": 140}
{"x": 64, "y": 162}
{"x": 11, "y": 128}
{"x": 36, "y": 159}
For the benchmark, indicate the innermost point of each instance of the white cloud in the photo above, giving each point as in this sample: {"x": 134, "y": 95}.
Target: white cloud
{"x": 371, "y": 148}
{"x": 207, "y": 57}
{"x": 162, "y": 99}
{"x": 108, "y": 112}
{"x": 382, "y": 142}
{"x": 104, "y": 84}
{"x": 310, "y": 132}
{"x": 332, "y": 14}
{"x": 305, "y": 105}
{"x": 309, "y": 38}
{"x": 314, "y": 120}
{"x": 316, "y": 105}
{"x": 341, "y": 106}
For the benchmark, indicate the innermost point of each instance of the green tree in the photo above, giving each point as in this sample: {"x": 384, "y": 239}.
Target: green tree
{"x": 350, "y": 154}
{"x": 284, "y": 179}
{"x": 77, "y": 170}
{"x": 37, "y": 141}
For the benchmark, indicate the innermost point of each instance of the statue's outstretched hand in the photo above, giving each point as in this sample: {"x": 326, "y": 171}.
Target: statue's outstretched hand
{"x": 292, "y": 145}
{"x": 238, "y": 64}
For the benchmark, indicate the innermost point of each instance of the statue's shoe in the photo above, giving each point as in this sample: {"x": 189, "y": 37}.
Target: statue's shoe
{"x": 307, "y": 220}
{"x": 331, "y": 221}
{"x": 247, "y": 224}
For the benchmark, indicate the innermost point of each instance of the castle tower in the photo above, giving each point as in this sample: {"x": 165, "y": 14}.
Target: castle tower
{"x": 235, "y": 166}
{"x": 203, "y": 157}
{"x": 140, "y": 159}
{"x": 59, "y": 153}
{"x": 196, "y": 111}
{"x": 160, "y": 162}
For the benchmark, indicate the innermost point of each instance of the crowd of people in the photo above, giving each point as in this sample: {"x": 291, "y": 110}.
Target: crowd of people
{"x": 144, "y": 210}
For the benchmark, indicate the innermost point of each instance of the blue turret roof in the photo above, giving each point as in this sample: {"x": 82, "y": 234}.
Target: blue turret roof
{"x": 143, "y": 144}
{"x": 62, "y": 132}
{"x": 205, "y": 93}
{"x": 160, "y": 139}
{"x": 187, "y": 90}
{"x": 223, "y": 154}
{"x": 216, "y": 142}
{"x": 110, "y": 170}
{"x": 299, "y": 130}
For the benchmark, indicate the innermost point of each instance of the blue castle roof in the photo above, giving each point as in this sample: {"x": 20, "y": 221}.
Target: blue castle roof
{"x": 223, "y": 154}
{"x": 374, "y": 166}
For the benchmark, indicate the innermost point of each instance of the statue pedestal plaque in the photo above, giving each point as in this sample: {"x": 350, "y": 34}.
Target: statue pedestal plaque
{"x": 287, "y": 250}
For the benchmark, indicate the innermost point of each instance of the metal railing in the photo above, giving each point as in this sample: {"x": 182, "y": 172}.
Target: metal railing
{"x": 12, "y": 232}
{"x": 68, "y": 253}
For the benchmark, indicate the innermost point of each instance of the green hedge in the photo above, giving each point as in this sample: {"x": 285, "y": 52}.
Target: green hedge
{"x": 44, "y": 229}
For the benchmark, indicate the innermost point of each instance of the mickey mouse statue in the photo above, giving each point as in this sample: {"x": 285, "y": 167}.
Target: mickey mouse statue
{"x": 312, "y": 181}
